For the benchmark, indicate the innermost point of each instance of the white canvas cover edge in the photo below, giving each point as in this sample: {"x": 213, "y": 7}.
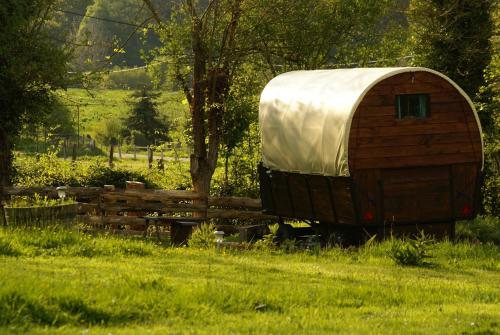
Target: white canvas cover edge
{"x": 305, "y": 117}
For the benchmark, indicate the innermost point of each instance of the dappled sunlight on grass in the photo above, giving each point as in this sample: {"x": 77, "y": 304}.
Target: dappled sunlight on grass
{"x": 129, "y": 286}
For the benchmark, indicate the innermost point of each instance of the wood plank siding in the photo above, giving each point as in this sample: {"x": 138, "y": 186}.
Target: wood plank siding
{"x": 414, "y": 170}
{"x": 378, "y": 139}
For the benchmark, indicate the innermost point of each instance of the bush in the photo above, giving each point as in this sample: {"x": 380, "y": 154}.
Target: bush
{"x": 100, "y": 175}
{"x": 203, "y": 237}
{"x": 411, "y": 251}
{"x": 482, "y": 229}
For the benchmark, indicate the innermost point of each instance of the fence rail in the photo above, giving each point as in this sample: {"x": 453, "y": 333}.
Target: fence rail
{"x": 133, "y": 210}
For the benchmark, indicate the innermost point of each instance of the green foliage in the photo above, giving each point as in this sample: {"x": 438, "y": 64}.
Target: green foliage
{"x": 485, "y": 229}
{"x": 31, "y": 68}
{"x": 488, "y": 107}
{"x": 240, "y": 177}
{"x": 411, "y": 251}
{"x": 326, "y": 33}
{"x": 203, "y": 237}
{"x": 144, "y": 119}
{"x": 109, "y": 44}
{"x": 49, "y": 170}
{"x": 268, "y": 242}
{"x": 37, "y": 201}
{"x": 100, "y": 175}
{"x": 109, "y": 131}
{"x": 453, "y": 37}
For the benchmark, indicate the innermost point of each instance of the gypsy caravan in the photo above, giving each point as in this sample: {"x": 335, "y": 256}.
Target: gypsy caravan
{"x": 374, "y": 150}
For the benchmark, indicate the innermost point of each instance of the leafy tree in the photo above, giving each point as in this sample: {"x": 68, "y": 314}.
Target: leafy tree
{"x": 144, "y": 119}
{"x": 208, "y": 43}
{"x": 325, "y": 33}
{"x": 112, "y": 43}
{"x": 453, "y": 37}
{"x": 31, "y": 68}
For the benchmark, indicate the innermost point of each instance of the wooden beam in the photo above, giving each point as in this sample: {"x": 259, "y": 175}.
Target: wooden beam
{"x": 235, "y": 202}
{"x": 237, "y": 214}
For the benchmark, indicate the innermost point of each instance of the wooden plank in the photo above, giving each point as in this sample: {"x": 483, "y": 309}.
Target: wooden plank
{"x": 235, "y": 202}
{"x": 323, "y": 207}
{"x": 344, "y": 204}
{"x": 84, "y": 208}
{"x": 131, "y": 207}
{"x": 464, "y": 186}
{"x": 280, "y": 193}
{"x": 366, "y": 183}
{"x": 135, "y": 220}
{"x": 414, "y": 129}
{"x": 237, "y": 214}
{"x": 408, "y": 140}
{"x": 430, "y": 160}
{"x": 415, "y": 150}
{"x": 388, "y": 100}
{"x": 165, "y": 195}
{"x": 300, "y": 196}
{"x": 115, "y": 219}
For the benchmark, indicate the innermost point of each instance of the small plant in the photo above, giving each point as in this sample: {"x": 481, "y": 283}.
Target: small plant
{"x": 268, "y": 242}
{"x": 203, "y": 237}
{"x": 411, "y": 251}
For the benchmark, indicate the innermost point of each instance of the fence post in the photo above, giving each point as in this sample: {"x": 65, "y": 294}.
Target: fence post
{"x": 150, "y": 157}
{"x": 110, "y": 159}
{"x": 119, "y": 151}
{"x": 3, "y": 218}
{"x": 162, "y": 155}
{"x": 135, "y": 152}
{"x": 65, "y": 145}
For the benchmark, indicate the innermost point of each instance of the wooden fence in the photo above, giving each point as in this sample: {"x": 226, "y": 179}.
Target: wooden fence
{"x": 135, "y": 210}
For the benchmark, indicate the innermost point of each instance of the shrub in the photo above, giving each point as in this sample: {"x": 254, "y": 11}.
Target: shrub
{"x": 482, "y": 229}
{"x": 203, "y": 237}
{"x": 268, "y": 242}
{"x": 411, "y": 251}
{"x": 100, "y": 175}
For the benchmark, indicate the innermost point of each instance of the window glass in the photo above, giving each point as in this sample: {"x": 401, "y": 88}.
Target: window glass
{"x": 412, "y": 105}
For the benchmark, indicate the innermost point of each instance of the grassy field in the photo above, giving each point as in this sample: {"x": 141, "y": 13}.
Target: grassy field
{"x": 105, "y": 104}
{"x": 63, "y": 282}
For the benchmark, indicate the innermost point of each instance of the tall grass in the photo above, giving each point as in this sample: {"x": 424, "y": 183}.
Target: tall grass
{"x": 57, "y": 281}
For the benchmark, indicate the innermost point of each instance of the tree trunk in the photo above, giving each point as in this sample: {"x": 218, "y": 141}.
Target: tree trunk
{"x": 5, "y": 159}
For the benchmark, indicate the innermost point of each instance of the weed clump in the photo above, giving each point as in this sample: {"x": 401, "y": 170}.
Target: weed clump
{"x": 203, "y": 237}
{"x": 411, "y": 251}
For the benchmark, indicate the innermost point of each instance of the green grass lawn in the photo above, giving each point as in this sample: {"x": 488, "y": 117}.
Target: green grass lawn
{"x": 58, "y": 282}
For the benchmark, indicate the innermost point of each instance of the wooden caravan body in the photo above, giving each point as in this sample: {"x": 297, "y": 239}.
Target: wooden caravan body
{"x": 378, "y": 148}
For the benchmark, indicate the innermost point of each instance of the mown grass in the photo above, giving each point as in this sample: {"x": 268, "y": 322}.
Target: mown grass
{"x": 64, "y": 282}
{"x": 112, "y": 104}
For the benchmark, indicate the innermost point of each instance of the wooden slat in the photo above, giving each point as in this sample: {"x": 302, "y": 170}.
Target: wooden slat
{"x": 419, "y": 129}
{"x": 237, "y": 214}
{"x": 300, "y": 196}
{"x": 416, "y": 150}
{"x": 84, "y": 208}
{"x": 235, "y": 202}
{"x": 165, "y": 194}
{"x": 408, "y": 140}
{"x": 131, "y": 207}
{"x": 430, "y": 160}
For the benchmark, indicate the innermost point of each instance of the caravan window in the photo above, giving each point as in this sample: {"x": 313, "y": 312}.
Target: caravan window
{"x": 412, "y": 105}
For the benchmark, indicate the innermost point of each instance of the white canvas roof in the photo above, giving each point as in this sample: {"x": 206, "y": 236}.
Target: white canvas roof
{"x": 305, "y": 117}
